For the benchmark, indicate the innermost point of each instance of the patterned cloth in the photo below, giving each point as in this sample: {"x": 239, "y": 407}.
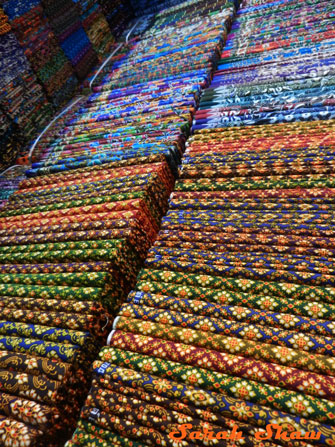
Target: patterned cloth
{"x": 231, "y": 320}
{"x": 40, "y": 45}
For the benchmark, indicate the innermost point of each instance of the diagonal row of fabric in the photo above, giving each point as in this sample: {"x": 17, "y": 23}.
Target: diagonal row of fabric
{"x": 75, "y": 233}
{"x": 231, "y": 321}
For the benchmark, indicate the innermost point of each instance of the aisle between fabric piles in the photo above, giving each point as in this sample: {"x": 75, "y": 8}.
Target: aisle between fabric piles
{"x": 231, "y": 322}
{"x": 75, "y": 234}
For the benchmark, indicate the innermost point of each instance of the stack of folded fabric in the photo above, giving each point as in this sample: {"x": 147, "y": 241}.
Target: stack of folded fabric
{"x": 22, "y": 99}
{"x": 24, "y": 102}
{"x": 95, "y": 25}
{"x": 118, "y": 13}
{"x": 187, "y": 49}
{"x": 10, "y": 139}
{"x": 70, "y": 248}
{"x": 51, "y": 135}
{"x": 231, "y": 323}
{"x": 278, "y": 66}
{"x": 108, "y": 214}
{"x": 64, "y": 18}
{"x": 50, "y": 330}
{"x": 40, "y": 45}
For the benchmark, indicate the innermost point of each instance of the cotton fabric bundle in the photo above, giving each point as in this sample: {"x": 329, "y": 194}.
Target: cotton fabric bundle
{"x": 285, "y": 74}
{"x": 64, "y": 18}
{"x": 40, "y": 45}
{"x": 96, "y": 26}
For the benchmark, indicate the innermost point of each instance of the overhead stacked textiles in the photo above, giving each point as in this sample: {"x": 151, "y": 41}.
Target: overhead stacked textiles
{"x": 60, "y": 271}
{"x": 40, "y": 45}
{"x": 118, "y": 13}
{"x": 65, "y": 21}
{"x": 95, "y": 25}
{"x": 231, "y": 322}
{"x": 232, "y": 318}
{"x": 22, "y": 99}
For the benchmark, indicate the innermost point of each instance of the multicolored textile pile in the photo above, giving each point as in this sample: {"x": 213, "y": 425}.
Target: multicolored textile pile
{"x": 277, "y": 66}
{"x": 47, "y": 345}
{"x": 231, "y": 321}
{"x": 64, "y": 18}
{"x": 70, "y": 248}
{"x": 25, "y": 103}
{"x": 47, "y": 59}
{"x": 51, "y": 327}
{"x": 51, "y": 135}
{"x": 95, "y": 25}
{"x": 22, "y": 99}
{"x": 231, "y": 324}
{"x": 10, "y": 138}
